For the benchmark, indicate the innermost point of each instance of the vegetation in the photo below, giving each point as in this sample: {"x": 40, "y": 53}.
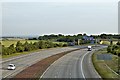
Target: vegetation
{"x": 7, "y": 43}
{"x": 23, "y": 47}
{"x": 68, "y": 38}
{"x": 50, "y": 41}
{"x": 102, "y": 69}
{"x": 107, "y": 36}
{"x": 114, "y": 49}
{"x": 108, "y": 68}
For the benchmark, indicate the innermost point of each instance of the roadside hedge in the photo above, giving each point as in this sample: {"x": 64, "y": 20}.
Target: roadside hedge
{"x": 114, "y": 49}
{"x": 19, "y": 47}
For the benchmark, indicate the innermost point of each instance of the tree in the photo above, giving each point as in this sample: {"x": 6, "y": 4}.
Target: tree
{"x": 103, "y": 36}
{"x": 19, "y": 43}
{"x": 26, "y": 46}
{"x": 0, "y": 48}
{"x": 42, "y": 44}
{"x": 0, "y": 43}
{"x": 109, "y": 49}
{"x": 111, "y": 42}
{"x": 60, "y": 45}
{"x": 118, "y": 43}
{"x": 84, "y": 34}
{"x": 19, "y": 47}
{"x": 12, "y": 48}
{"x": 65, "y": 45}
{"x": 31, "y": 47}
{"x": 79, "y": 34}
{"x": 4, "y": 51}
{"x": 49, "y": 44}
{"x": 36, "y": 45}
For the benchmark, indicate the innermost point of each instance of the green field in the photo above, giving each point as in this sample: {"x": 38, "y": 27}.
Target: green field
{"x": 9, "y": 42}
{"x": 107, "y": 42}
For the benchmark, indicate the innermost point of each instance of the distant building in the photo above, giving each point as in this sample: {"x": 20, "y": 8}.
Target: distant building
{"x": 88, "y": 38}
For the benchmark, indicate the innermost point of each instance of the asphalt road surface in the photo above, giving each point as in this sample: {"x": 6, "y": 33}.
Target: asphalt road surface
{"x": 24, "y": 61}
{"x": 76, "y": 64}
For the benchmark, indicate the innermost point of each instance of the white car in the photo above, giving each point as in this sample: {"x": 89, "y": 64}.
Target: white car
{"x": 11, "y": 67}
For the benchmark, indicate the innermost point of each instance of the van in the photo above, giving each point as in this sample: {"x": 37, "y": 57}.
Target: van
{"x": 89, "y": 48}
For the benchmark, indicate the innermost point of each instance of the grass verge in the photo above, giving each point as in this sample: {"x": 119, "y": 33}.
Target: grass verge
{"x": 102, "y": 69}
{"x": 21, "y": 53}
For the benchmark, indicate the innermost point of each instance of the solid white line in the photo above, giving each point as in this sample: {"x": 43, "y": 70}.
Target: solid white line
{"x": 111, "y": 69}
{"x": 44, "y": 72}
{"x": 82, "y": 64}
{"x": 93, "y": 65}
{"x": 47, "y": 69}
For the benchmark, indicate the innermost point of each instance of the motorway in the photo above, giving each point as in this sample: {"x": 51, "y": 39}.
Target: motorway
{"x": 68, "y": 66}
{"x": 76, "y": 64}
{"x": 24, "y": 61}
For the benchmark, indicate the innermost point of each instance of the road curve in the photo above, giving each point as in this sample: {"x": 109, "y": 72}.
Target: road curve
{"x": 23, "y": 62}
{"x": 76, "y": 64}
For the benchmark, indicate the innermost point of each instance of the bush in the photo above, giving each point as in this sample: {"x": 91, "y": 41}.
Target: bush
{"x": 115, "y": 49}
{"x": 36, "y": 45}
{"x": 4, "y": 50}
{"x": 42, "y": 44}
{"x": 60, "y": 45}
{"x": 19, "y": 48}
{"x": 65, "y": 45}
{"x": 109, "y": 49}
{"x": 49, "y": 44}
{"x": 29, "y": 46}
{"x": 118, "y": 52}
{"x": 12, "y": 49}
{"x": 118, "y": 43}
{"x": 26, "y": 46}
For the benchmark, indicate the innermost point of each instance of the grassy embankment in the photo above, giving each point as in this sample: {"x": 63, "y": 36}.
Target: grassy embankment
{"x": 7, "y": 43}
{"x": 102, "y": 65}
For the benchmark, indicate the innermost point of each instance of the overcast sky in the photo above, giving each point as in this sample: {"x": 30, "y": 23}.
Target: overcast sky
{"x": 59, "y": 16}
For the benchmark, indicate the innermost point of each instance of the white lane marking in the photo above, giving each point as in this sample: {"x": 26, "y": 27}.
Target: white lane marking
{"x": 16, "y": 71}
{"x": 47, "y": 69}
{"x": 111, "y": 69}
{"x": 82, "y": 65}
{"x": 18, "y": 57}
{"x": 21, "y": 56}
{"x": 93, "y": 65}
{"x": 44, "y": 72}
